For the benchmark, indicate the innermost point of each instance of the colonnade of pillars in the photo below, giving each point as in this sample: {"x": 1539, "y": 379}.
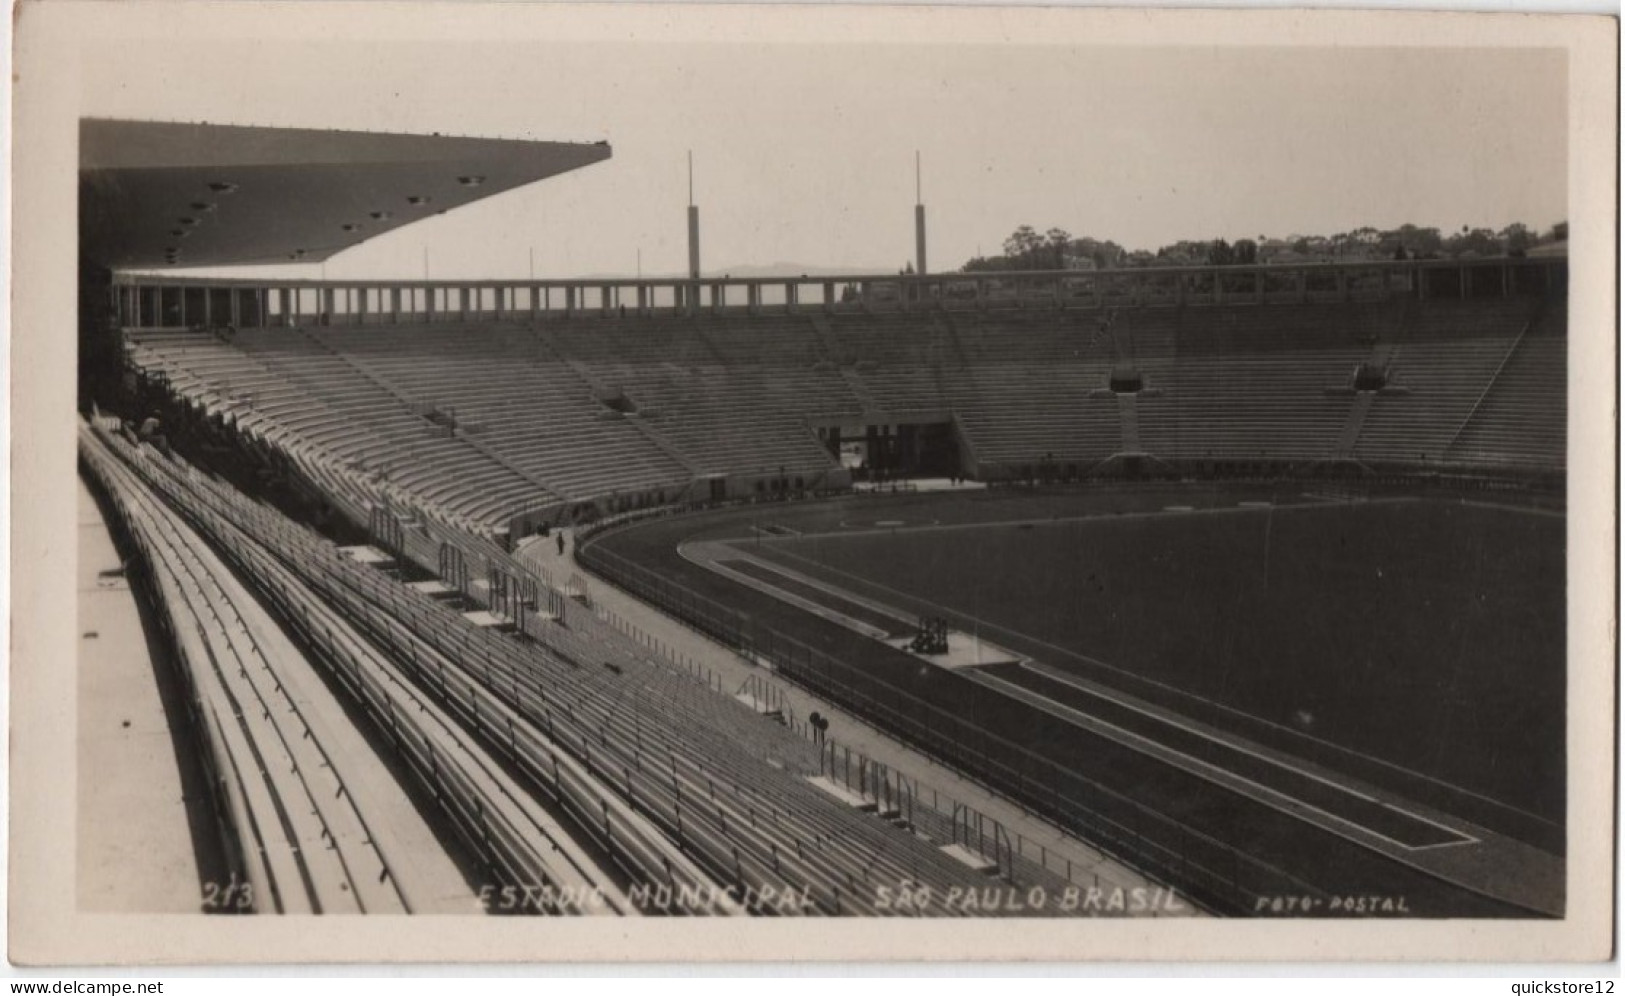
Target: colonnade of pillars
{"x": 154, "y": 302}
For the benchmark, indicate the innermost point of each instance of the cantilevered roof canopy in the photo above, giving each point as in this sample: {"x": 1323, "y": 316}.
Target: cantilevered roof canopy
{"x": 160, "y": 195}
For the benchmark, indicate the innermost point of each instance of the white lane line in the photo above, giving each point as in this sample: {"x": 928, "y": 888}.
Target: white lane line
{"x": 1222, "y": 777}
{"x": 1240, "y": 748}
{"x": 1010, "y": 635}
{"x": 804, "y": 604}
{"x": 834, "y": 591}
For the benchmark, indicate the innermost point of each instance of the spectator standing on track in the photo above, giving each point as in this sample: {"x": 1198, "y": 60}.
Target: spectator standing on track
{"x": 559, "y": 537}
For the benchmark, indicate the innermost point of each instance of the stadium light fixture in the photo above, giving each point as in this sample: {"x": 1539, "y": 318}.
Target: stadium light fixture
{"x": 472, "y": 180}
{"x": 223, "y": 187}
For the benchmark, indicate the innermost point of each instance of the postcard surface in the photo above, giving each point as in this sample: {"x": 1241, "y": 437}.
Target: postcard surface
{"x": 622, "y": 483}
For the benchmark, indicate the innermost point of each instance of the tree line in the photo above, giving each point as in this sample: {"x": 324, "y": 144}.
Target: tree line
{"x": 1057, "y": 249}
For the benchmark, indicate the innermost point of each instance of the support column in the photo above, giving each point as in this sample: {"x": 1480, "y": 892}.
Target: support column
{"x": 1465, "y": 280}
{"x": 919, "y": 239}
{"x": 693, "y": 242}
{"x": 919, "y": 219}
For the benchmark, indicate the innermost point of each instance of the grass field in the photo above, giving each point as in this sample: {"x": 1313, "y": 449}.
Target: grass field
{"x": 1426, "y": 634}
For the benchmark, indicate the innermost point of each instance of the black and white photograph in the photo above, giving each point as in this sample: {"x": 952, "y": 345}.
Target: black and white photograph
{"x": 1068, "y": 483}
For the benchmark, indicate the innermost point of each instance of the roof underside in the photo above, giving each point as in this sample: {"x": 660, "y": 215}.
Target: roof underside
{"x": 161, "y": 195}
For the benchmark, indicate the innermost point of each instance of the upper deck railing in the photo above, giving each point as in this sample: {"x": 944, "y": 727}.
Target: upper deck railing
{"x": 166, "y": 300}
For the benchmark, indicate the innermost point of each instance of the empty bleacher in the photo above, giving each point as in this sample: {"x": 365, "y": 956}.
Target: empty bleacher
{"x": 1448, "y": 354}
{"x": 1242, "y": 383}
{"x": 501, "y": 388}
{"x": 731, "y": 395}
{"x": 1522, "y": 418}
{"x": 283, "y": 387}
{"x": 698, "y": 785}
{"x": 1035, "y": 384}
{"x": 477, "y": 423}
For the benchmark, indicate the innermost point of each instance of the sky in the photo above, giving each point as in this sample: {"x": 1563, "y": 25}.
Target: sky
{"x": 804, "y": 152}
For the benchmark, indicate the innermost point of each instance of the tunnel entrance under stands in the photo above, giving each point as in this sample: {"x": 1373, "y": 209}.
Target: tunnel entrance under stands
{"x": 1370, "y": 377}
{"x": 888, "y": 451}
{"x": 1126, "y": 379}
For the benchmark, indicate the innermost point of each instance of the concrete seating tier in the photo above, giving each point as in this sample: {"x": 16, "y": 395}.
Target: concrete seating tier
{"x": 731, "y": 395}
{"x": 281, "y": 386}
{"x": 478, "y": 422}
{"x": 1030, "y": 385}
{"x": 898, "y": 359}
{"x": 1448, "y": 354}
{"x": 1252, "y": 383}
{"x": 501, "y": 387}
{"x": 738, "y": 804}
{"x": 1522, "y": 420}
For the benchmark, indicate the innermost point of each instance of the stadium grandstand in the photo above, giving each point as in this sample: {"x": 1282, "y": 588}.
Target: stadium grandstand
{"x": 1169, "y": 591}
